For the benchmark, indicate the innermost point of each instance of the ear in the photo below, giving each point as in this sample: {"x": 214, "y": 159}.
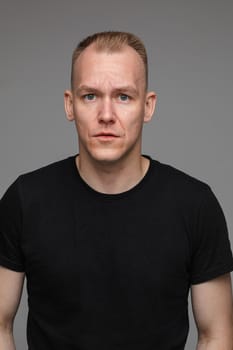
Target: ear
{"x": 68, "y": 105}
{"x": 150, "y": 103}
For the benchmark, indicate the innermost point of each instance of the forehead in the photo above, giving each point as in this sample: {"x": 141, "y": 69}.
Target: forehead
{"x": 119, "y": 67}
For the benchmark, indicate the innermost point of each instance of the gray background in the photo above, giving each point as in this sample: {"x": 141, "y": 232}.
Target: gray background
{"x": 190, "y": 53}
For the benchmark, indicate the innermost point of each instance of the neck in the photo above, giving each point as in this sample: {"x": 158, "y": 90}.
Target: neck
{"x": 112, "y": 178}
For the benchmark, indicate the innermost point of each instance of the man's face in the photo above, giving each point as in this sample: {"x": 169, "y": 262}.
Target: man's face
{"x": 109, "y": 103}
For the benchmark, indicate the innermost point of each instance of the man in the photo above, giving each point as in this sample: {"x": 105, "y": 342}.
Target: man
{"x": 111, "y": 241}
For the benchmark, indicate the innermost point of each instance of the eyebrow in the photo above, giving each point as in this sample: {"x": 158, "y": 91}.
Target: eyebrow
{"x": 87, "y": 88}
{"x": 125, "y": 88}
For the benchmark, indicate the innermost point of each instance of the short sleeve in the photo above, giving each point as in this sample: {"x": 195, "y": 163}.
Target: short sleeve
{"x": 212, "y": 254}
{"x": 11, "y": 229}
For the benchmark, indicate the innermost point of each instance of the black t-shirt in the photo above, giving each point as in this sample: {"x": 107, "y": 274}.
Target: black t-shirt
{"x": 111, "y": 271}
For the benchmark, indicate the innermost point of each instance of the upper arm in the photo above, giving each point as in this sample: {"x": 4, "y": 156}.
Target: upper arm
{"x": 213, "y": 308}
{"x": 11, "y": 285}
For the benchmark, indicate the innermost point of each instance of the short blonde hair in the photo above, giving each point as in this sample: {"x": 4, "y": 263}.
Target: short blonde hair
{"x": 112, "y": 41}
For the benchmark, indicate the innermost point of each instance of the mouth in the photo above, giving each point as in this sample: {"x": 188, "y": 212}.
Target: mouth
{"x": 106, "y": 136}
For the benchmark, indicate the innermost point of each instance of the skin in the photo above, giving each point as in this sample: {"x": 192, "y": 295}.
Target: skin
{"x": 109, "y": 105}
{"x": 213, "y": 312}
{"x": 11, "y": 285}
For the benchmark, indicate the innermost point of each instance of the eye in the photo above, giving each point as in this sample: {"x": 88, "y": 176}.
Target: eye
{"x": 89, "y": 97}
{"x": 124, "y": 97}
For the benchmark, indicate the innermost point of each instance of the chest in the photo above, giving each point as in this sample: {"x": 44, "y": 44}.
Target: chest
{"x": 106, "y": 248}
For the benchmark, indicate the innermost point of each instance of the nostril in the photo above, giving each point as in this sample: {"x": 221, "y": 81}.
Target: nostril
{"x": 107, "y": 115}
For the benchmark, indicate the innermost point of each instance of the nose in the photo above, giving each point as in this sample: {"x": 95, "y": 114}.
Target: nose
{"x": 106, "y": 112}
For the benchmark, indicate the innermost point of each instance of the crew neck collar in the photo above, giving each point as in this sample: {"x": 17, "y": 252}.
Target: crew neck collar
{"x": 137, "y": 187}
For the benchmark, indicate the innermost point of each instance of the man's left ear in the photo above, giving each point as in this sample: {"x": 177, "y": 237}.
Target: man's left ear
{"x": 150, "y": 103}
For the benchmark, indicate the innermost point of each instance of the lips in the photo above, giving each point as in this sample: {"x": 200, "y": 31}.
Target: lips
{"x": 106, "y": 136}
{"x": 103, "y": 134}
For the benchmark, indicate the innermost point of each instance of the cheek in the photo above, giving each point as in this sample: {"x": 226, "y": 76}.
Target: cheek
{"x": 134, "y": 120}
{"x": 82, "y": 118}
{"x": 131, "y": 111}
{"x": 81, "y": 127}
{"x": 85, "y": 110}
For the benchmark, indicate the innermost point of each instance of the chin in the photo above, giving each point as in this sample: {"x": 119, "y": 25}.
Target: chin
{"x": 107, "y": 156}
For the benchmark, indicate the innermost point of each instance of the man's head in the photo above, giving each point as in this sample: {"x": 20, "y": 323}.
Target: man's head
{"x": 108, "y": 99}
{"x": 111, "y": 41}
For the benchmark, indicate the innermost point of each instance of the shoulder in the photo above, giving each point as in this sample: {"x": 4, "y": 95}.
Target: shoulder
{"x": 180, "y": 185}
{"x": 49, "y": 172}
{"x": 171, "y": 175}
{"x": 46, "y": 178}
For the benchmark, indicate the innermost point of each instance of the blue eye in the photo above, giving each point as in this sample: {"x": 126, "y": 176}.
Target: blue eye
{"x": 89, "y": 97}
{"x": 123, "y": 97}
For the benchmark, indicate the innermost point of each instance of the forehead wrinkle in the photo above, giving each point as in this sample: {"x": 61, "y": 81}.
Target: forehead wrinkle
{"x": 114, "y": 89}
{"x": 94, "y": 58}
{"x": 105, "y": 83}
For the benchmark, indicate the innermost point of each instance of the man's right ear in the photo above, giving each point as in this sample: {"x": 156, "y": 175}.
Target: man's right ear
{"x": 68, "y": 104}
